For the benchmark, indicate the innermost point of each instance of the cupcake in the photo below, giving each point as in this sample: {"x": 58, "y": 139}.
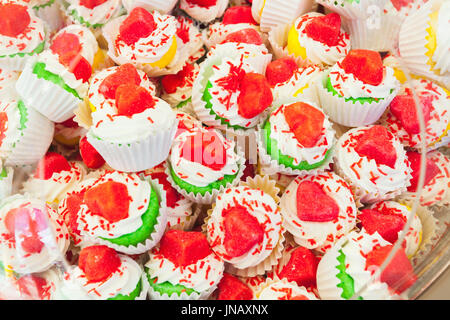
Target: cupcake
{"x": 313, "y": 38}
{"x": 357, "y": 89}
{"x": 153, "y": 42}
{"x": 271, "y": 13}
{"x": 119, "y": 210}
{"x": 202, "y": 163}
{"x": 403, "y": 121}
{"x": 93, "y": 14}
{"x": 33, "y": 237}
{"x": 388, "y": 219}
{"x": 423, "y": 41}
{"x": 57, "y": 81}
{"x": 296, "y": 138}
{"x": 204, "y": 11}
{"x": 244, "y": 229}
{"x": 22, "y": 35}
{"x": 276, "y": 289}
{"x": 435, "y": 190}
{"x": 350, "y": 265}
{"x": 103, "y": 274}
{"x": 25, "y": 134}
{"x": 372, "y": 160}
{"x": 183, "y": 267}
{"x": 233, "y": 288}
{"x": 131, "y": 128}
{"x": 163, "y": 6}
{"x": 69, "y": 133}
{"x": 318, "y": 210}
{"x": 54, "y": 177}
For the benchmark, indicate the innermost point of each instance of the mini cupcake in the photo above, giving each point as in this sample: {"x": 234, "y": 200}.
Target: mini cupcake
{"x": 177, "y": 88}
{"x": 33, "y": 237}
{"x": 204, "y": 11}
{"x": 350, "y": 265}
{"x": 22, "y": 35}
{"x": 57, "y": 81}
{"x": 102, "y": 274}
{"x": 244, "y": 228}
{"x": 69, "y": 133}
{"x": 271, "y": 13}
{"x": 296, "y": 138}
{"x": 25, "y": 134}
{"x": 121, "y": 211}
{"x": 403, "y": 121}
{"x": 388, "y": 219}
{"x": 183, "y": 267}
{"x": 372, "y": 160}
{"x": 276, "y": 289}
{"x": 153, "y": 42}
{"x": 233, "y": 288}
{"x": 163, "y": 6}
{"x": 288, "y": 81}
{"x": 424, "y": 44}
{"x": 435, "y": 190}
{"x": 93, "y": 14}
{"x": 357, "y": 90}
{"x": 313, "y": 38}
{"x": 131, "y": 128}
{"x": 318, "y": 210}
{"x": 54, "y": 178}
{"x": 202, "y": 163}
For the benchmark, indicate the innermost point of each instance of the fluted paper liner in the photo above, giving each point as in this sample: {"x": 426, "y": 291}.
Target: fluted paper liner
{"x": 83, "y": 114}
{"x": 51, "y": 14}
{"x": 278, "y": 12}
{"x": 155, "y": 295}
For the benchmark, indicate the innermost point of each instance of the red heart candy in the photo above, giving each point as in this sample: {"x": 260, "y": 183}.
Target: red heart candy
{"x": 325, "y": 29}
{"x": 399, "y": 4}
{"x": 91, "y": 158}
{"x": 238, "y": 14}
{"x": 132, "y": 99}
{"x": 248, "y": 35}
{"x": 255, "y": 95}
{"x": 386, "y": 224}
{"x": 73, "y": 203}
{"x": 231, "y": 288}
{"x": 365, "y": 65}
{"x": 314, "y": 205}
{"x": 14, "y": 19}
{"x": 125, "y": 73}
{"x": 301, "y": 267}
{"x": 98, "y": 262}
{"x": 51, "y": 163}
{"x": 139, "y": 24}
{"x": 171, "y": 82}
{"x": 375, "y": 143}
{"x": 431, "y": 170}
{"x": 280, "y": 70}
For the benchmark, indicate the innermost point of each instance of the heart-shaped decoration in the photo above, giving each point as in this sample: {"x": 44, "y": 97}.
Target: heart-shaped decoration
{"x": 376, "y": 143}
{"x": 314, "y": 205}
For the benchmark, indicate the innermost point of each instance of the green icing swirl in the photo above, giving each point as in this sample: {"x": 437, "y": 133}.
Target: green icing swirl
{"x": 36, "y": 50}
{"x": 132, "y": 296}
{"x": 167, "y": 287}
{"x": 331, "y": 89}
{"x": 347, "y": 283}
{"x": 40, "y": 71}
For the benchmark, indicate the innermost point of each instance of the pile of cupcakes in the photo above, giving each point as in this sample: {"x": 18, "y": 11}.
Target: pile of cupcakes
{"x": 216, "y": 149}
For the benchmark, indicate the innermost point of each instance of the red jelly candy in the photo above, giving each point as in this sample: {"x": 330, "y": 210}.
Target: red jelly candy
{"x": 231, "y": 288}
{"x": 255, "y": 95}
{"x": 431, "y": 170}
{"x": 248, "y": 35}
{"x": 98, "y": 262}
{"x": 51, "y": 163}
{"x": 387, "y": 225}
{"x": 301, "y": 267}
{"x": 325, "y": 29}
{"x": 314, "y": 205}
{"x": 203, "y": 3}
{"x": 280, "y": 70}
{"x": 238, "y": 14}
{"x": 125, "y": 73}
{"x": 171, "y": 82}
{"x": 91, "y": 158}
{"x": 14, "y": 19}
{"x": 375, "y": 143}
{"x": 73, "y": 203}
{"x": 139, "y": 24}
{"x": 33, "y": 286}
{"x": 365, "y": 65}
{"x": 132, "y": 99}
{"x": 403, "y": 107}
{"x": 91, "y": 4}
{"x": 172, "y": 195}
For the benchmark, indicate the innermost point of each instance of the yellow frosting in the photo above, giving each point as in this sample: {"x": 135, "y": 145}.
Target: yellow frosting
{"x": 293, "y": 45}
{"x": 262, "y": 8}
{"x": 431, "y": 40}
{"x": 168, "y": 56}
{"x": 99, "y": 59}
{"x": 93, "y": 108}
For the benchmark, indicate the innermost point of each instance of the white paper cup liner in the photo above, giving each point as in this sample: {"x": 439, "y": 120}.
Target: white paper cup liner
{"x": 83, "y": 114}
{"x": 51, "y": 14}
{"x": 349, "y": 113}
{"x": 355, "y": 10}
{"x": 155, "y": 236}
{"x": 6, "y": 183}
{"x": 163, "y": 6}
{"x": 46, "y": 97}
{"x": 144, "y": 289}
{"x": 209, "y": 197}
{"x": 15, "y": 63}
{"x": 135, "y": 156}
{"x": 278, "y": 12}
{"x": 34, "y": 143}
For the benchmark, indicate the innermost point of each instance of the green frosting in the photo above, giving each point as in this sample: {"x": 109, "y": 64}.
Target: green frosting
{"x": 183, "y": 103}
{"x": 36, "y": 50}
{"x": 347, "y": 282}
{"x": 47, "y": 4}
{"x": 287, "y": 161}
{"x": 81, "y": 20}
{"x": 331, "y": 89}
{"x": 132, "y": 296}
{"x": 167, "y": 287}
{"x": 201, "y": 190}
{"x": 40, "y": 71}
{"x": 149, "y": 220}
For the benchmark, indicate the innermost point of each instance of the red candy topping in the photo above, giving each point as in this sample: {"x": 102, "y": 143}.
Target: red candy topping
{"x": 91, "y": 158}
{"x": 184, "y": 248}
{"x": 109, "y": 200}
{"x": 242, "y": 231}
{"x": 171, "y": 82}
{"x": 3, "y": 125}
{"x": 70, "y": 123}
{"x": 34, "y": 287}
{"x": 132, "y": 99}
{"x": 399, "y": 274}
{"x": 238, "y": 14}
{"x": 248, "y": 35}
{"x": 91, "y": 4}
{"x": 325, "y": 29}
{"x": 139, "y": 24}
{"x": 386, "y": 223}
{"x": 255, "y": 95}
{"x": 314, "y": 205}
{"x": 231, "y": 288}
{"x": 399, "y": 4}
{"x": 365, "y": 65}
{"x": 98, "y": 262}
{"x": 205, "y": 148}
{"x": 375, "y": 143}
{"x": 73, "y": 203}
{"x": 431, "y": 170}
{"x": 14, "y": 19}
{"x": 301, "y": 267}
{"x": 306, "y": 122}
{"x": 280, "y": 70}
{"x": 202, "y": 3}
{"x": 51, "y": 163}
{"x": 125, "y": 73}
{"x": 172, "y": 196}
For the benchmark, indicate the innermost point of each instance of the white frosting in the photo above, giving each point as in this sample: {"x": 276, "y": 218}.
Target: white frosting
{"x": 199, "y": 276}
{"x": 283, "y": 290}
{"x": 320, "y": 235}
{"x": 261, "y": 206}
{"x": 99, "y": 14}
{"x": 316, "y": 51}
{"x": 289, "y": 145}
{"x": 55, "y": 237}
{"x": 123, "y": 281}
{"x": 204, "y": 14}
{"x": 441, "y": 55}
{"x": 194, "y": 172}
{"x": 348, "y": 86}
{"x": 371, "y": 180}
{"x": 8, "y": 83}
